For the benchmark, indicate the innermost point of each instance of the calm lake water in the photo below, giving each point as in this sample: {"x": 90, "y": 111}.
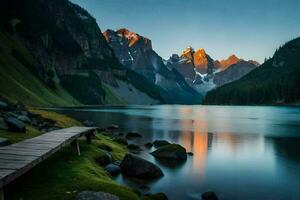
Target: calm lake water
{"x": 240, "y": 152}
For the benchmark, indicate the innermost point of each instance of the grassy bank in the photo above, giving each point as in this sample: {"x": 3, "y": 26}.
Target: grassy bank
{"x": 64, "y": 174}
{"x": 19, "y": 84}
{"x": 61, "y": 121}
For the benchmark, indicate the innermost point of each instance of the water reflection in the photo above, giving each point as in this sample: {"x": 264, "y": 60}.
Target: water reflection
{"x": 239, "y": 152}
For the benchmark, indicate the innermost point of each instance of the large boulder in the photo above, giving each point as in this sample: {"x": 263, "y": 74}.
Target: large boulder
{"x": 90, "y": 195}
{"x": 171, "y": 152}
{"x": 137, "y": 167}
{"x": 160, "y": 143}
{"x": 113, "y": 169}
{"x": 209, "y": 196}
{"x": 15, "y": 125}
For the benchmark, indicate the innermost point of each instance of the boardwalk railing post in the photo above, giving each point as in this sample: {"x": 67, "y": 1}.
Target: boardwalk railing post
{"x": 75, "y": 146}
{"x": 89, "y": 137}
{"x": 1, "y": 193}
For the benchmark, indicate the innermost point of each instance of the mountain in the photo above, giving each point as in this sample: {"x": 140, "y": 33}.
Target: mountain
{"x": 59, "y": 46}
{"x": 135, "y": 52}
{"x": 199, "y": 58}
{"x": 233, "y": 72}
{"x": 225, "y": 63}
{"x": 204, "y": 73}
{"x": 276, "y": 81}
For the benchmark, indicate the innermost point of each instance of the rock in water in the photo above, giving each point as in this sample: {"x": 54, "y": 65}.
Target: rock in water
{"x": 190, "y": 153}
{"x": 137, "y": 167}
{"x": 134, "y": 147}
{"x": 171, "y": 152}
{"x": 148, "y": 145}
{"x": 90, "y": 195}
{"x": 160, "y": 143}
{"x": 158, "y": 196}
{"x": 15, "y": 125}
{"x": 113, "y": 169}
{"x": 209, "y": 196}
{"x": 88, "y": 123}
{"x": 133, "y": 135}
{"x": 113, "y": 126}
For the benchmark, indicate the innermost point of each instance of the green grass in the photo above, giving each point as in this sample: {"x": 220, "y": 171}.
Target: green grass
{"x": 112, "y": 98}
{"x": 61, "y": 121}
{"x": 17, "y": 137}
{"x": 63, "y": 175}
{"x": 19, "y": 84}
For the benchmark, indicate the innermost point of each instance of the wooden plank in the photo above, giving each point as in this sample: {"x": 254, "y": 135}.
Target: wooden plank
{"x": 5, "y": 172}
{"x": 23, "y": 152}
{"x": 17, "y": 159}
{"x": 35, "y": 145}
{"x": 12, "y": 166}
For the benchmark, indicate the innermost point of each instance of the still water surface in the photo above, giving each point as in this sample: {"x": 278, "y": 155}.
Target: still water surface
{"x": 240, "y": 152}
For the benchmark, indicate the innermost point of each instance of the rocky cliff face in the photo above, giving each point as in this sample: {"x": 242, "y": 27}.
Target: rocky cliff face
{"x": 70, "y": 50}
{"x": 233, "y": 72}
{"x": 204, "y": 73}
{"x": 135, "y": 52}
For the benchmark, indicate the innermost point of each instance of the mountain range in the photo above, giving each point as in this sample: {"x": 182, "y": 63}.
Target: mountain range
{"x": 52, "y": 52}
{"x": 204, "y": 73}
{"x": 276, "y": 81}
{"x": 135, "y": 52}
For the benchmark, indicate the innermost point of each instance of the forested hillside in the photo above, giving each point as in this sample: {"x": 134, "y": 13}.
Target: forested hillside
{"x": 274, "y": 82}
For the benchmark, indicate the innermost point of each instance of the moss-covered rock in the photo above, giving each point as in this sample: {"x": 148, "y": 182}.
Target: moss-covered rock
{"x": 103, "y": 158}
{"x": 171, "y": 152}
{"x": 137, "y": 167}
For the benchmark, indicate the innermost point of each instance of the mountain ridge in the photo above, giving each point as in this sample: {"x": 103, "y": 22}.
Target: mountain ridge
{"x": 276, "y": 81}
{"x": 71, "y": 52}
{"x": 135, "y": 52}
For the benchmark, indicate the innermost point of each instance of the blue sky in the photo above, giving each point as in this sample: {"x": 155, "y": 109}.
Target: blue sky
{"x": 251, "y": 29}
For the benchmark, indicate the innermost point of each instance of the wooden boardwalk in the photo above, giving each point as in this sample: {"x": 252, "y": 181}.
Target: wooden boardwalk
{"x": 17, "y": 159}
